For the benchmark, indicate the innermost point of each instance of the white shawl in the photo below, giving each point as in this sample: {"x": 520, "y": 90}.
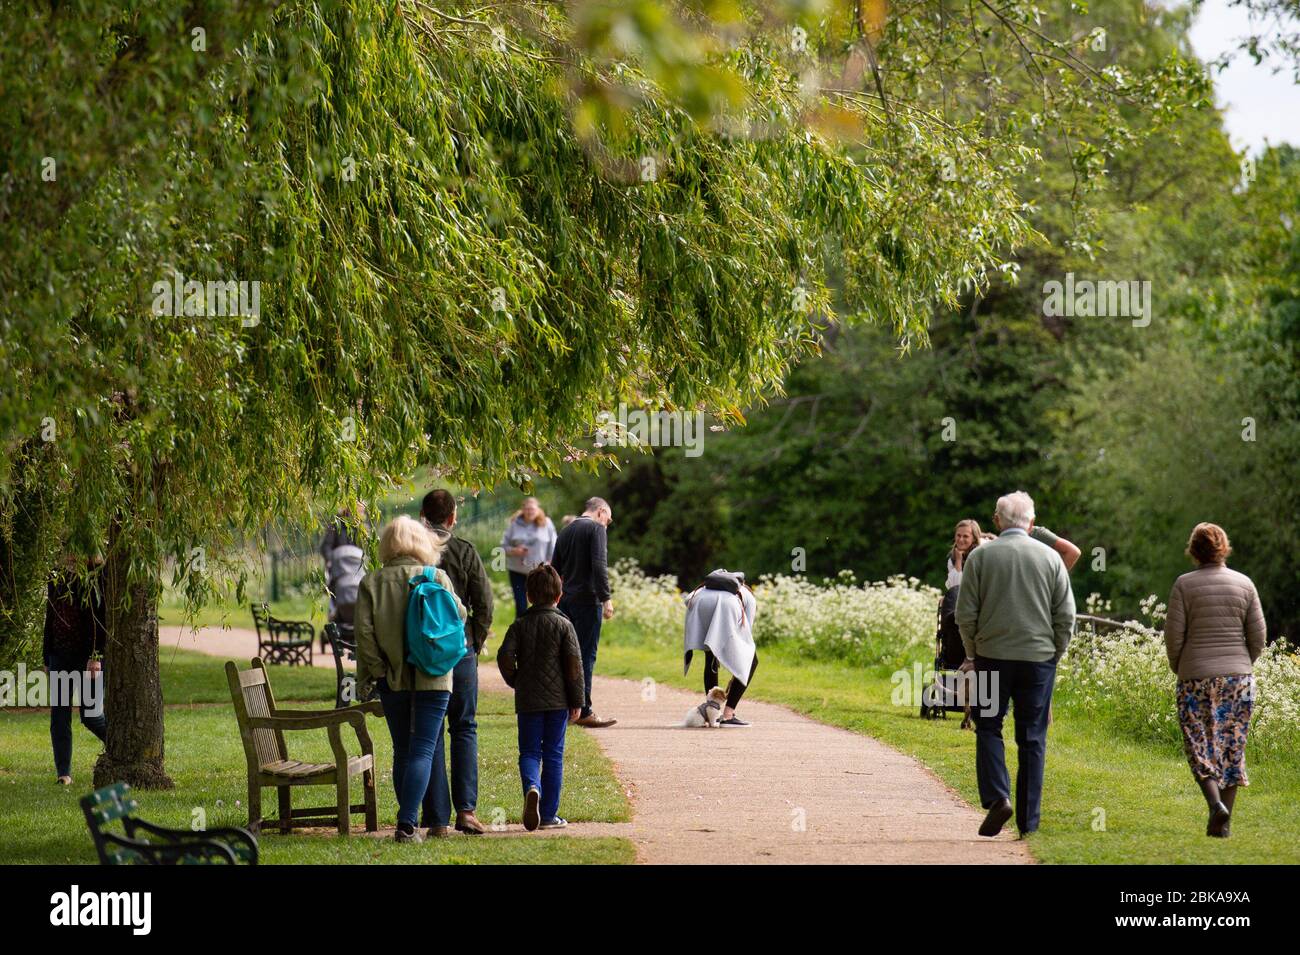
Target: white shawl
{"x": 723, "y": 623}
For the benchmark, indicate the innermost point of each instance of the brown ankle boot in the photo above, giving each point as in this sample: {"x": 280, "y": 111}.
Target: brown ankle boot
{"x": 468, "y": 823}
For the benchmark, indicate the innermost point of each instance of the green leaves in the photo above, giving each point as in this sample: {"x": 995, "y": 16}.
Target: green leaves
{"x": 473, "y": 228}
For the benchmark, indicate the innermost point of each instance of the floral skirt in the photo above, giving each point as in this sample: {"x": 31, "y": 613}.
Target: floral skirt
{"x": 1215, "y": 716}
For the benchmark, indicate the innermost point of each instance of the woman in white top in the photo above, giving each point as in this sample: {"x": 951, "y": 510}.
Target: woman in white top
{"x": 529, "y": 540}
{"x": 965, "y": 539}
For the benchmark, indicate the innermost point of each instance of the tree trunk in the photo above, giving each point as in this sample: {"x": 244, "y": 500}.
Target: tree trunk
{"x": 133, "y": 751}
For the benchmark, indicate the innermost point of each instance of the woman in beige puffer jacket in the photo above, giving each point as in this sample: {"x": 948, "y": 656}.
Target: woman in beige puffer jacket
{"x": 1214, "y": 632}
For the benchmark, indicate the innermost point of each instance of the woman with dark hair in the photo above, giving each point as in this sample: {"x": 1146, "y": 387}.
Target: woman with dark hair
{"x": 529, "y": 540}
{"x": 541, "y": 661}
{"x": 1214, "y": 633}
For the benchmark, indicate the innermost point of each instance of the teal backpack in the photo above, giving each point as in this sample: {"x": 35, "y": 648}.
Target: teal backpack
{"x": 435, "y": 634}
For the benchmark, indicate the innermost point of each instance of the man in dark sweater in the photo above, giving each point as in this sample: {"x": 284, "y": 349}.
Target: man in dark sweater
{"x": 469, "y": 578}
{"x": 581, "y": 557}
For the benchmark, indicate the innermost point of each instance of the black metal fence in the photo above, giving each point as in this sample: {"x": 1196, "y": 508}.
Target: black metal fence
{"x": 295, "y": 566}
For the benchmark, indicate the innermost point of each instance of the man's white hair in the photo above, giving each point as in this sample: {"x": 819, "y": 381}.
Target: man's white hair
{"x": 1015, "y": 510}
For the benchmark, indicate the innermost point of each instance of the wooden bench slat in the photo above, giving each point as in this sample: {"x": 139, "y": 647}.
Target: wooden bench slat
{"x": 249, "y": 678}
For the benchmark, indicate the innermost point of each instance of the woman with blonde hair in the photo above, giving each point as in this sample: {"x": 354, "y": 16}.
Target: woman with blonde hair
{"x": 1214, "y": 633}
{"x": 528, "y": 542}
{"x": 414, "y": 701}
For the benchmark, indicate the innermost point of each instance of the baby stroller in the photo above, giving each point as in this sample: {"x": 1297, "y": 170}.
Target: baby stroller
{"x": 345, "y": 565}
{"x": 947, "y": 692}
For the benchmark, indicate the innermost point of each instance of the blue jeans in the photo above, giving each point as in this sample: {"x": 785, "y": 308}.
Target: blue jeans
{"x": 61, "y": 716}
{"x": 1028, "y": 687}
{"x": 585, "y": 615}
{"x": 415, "y": 728}
{"x": 541, "y": 756}
{"x": 518, "y": 587}
{"x": 462, "y": 709}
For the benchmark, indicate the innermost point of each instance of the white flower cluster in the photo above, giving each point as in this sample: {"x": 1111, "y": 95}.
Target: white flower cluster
{"x": 652, "y": 603}
{"x": 868, "y": 623}
{"x": 1276, "y": 724}
{"x": 1123, "y": 676}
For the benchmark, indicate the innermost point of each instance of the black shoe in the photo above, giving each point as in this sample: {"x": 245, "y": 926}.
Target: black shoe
{"x": 734, "y": 721}
{"x": 997, "y": 817}
{"x": 532, "y": 809}
{"x": 407, "y": 833}
{"x": 1220, "y": 817}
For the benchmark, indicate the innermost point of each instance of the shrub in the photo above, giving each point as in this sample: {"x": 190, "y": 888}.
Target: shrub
{"x": 875, "y": 623}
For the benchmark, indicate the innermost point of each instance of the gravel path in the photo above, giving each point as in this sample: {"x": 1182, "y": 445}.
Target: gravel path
{"x": 784, "y": 790}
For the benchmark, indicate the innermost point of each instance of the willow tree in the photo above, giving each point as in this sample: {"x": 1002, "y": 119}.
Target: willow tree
{"x": 471, "y": 229}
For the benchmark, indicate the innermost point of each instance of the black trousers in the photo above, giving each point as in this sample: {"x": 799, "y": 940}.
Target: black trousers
{"x": 1027, "y": 688}
{"x": 735, "y": 689}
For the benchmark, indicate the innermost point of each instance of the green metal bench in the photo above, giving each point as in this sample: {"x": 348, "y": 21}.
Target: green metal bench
{"x": 143, "y": 843}
{"x": 287, "y": 642}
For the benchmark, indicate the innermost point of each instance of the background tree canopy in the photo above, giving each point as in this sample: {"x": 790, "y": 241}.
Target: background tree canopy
{"x": 1126, "y": 436}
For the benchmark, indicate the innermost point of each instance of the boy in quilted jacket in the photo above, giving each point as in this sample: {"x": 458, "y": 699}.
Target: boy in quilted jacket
{"x": 541, "y": 660}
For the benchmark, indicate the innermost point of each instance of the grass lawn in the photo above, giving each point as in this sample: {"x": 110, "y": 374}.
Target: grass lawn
{"x": 42, "y": 822}
{"x": 171, "y": 611}
{"x": 1106, "y": 799}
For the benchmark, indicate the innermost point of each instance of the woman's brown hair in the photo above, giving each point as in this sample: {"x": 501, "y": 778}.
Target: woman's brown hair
{"x": 1208, "y": 544}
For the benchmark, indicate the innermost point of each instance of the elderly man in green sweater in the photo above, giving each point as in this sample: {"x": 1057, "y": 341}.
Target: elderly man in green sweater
{"x": 1016, "y": 615}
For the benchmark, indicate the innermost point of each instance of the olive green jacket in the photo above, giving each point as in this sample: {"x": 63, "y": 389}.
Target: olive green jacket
{"x": 380, "y": 624}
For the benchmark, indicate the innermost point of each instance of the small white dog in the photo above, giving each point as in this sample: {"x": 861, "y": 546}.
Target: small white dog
{"x": 709, "y": 712}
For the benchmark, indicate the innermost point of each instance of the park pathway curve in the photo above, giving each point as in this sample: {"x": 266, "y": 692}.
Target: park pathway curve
{"x": 785, "y": 789}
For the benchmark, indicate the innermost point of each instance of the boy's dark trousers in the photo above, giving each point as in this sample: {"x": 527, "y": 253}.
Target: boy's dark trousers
{"x": 541, "y": 756}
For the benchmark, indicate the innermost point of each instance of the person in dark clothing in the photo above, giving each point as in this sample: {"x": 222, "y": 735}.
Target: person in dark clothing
{"x": 470, "y": 580}
{"x": 581, "y": 558}
{"x": 540, "y": 658}
{"x": 342, "y": 530}
{"x": 735, "y": 689}
{"x": 75, "y": 637}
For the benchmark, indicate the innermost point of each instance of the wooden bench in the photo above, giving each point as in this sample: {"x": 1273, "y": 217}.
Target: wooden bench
{"x": 262, "y": 728}
{"x": 147, "y": 844}
{"x": 283, "y": 641}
